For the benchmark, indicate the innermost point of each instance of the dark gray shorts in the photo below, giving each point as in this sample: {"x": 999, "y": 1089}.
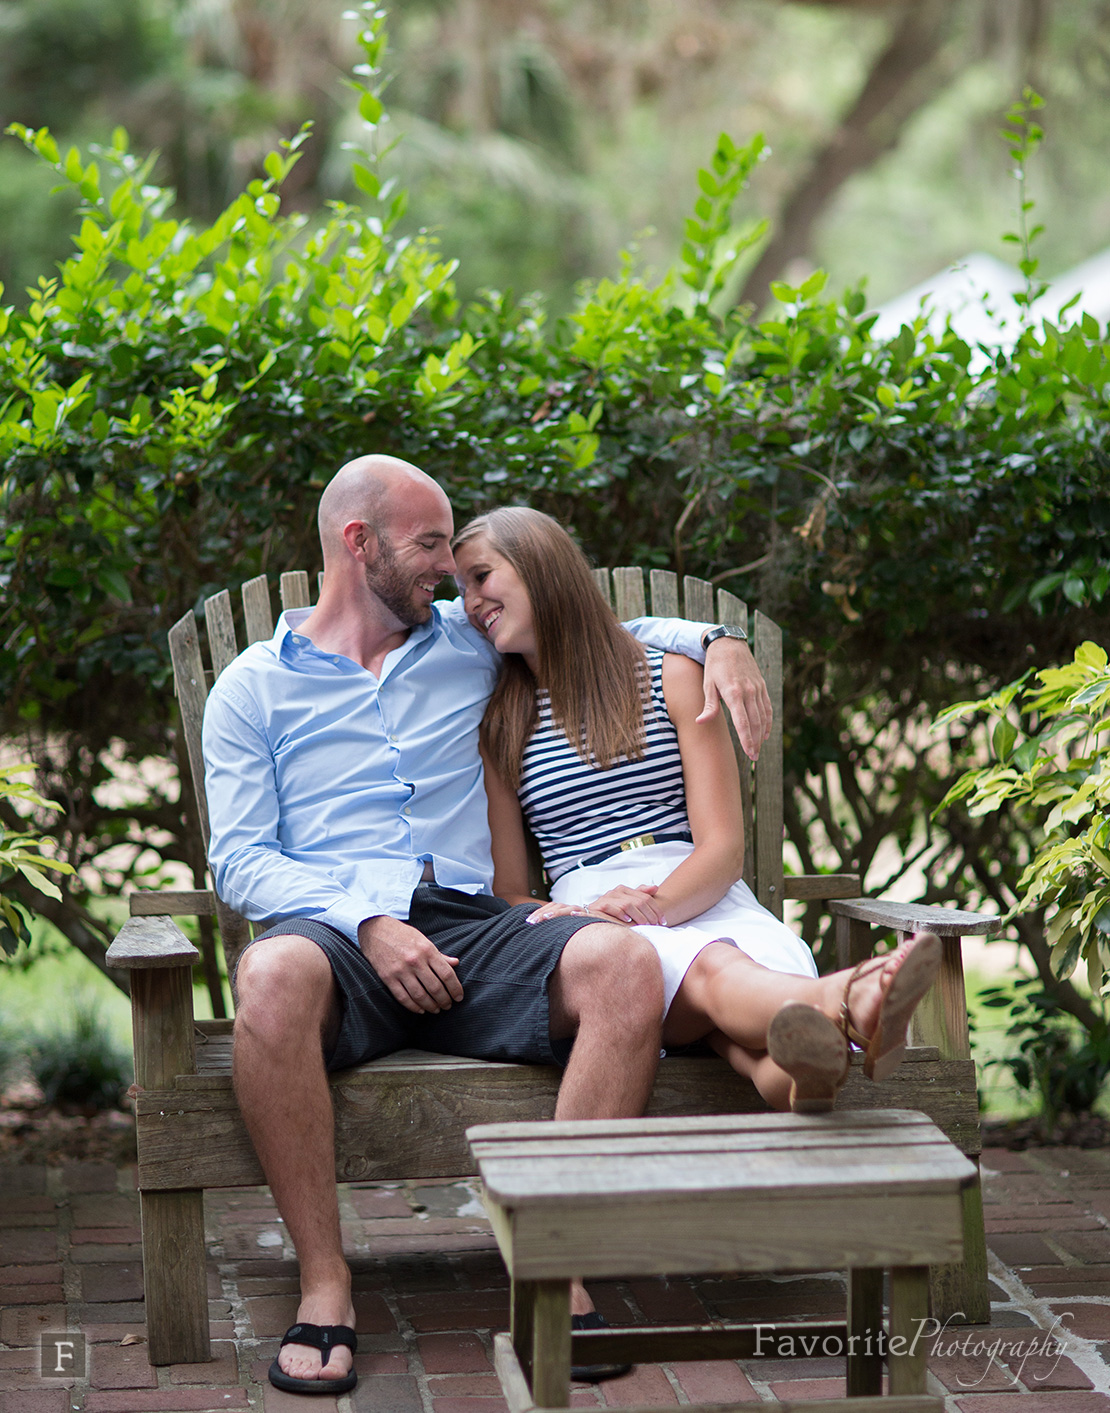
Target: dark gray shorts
{"x": 504, "y": 967}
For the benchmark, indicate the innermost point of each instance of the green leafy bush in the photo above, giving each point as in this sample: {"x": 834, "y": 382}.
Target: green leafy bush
{"x": 81, "y": 1066}
{"x": 22, "y": 852}
{"x": 1054, "y": 764}
{"x": 1058, "y": 1063}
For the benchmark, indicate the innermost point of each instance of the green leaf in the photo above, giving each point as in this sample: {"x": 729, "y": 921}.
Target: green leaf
{"x": 40, "y": 881}
{"x": 1005, "y": 734}
{"x": 1091, "y": 655}
{"x": 114, "y": 583}
{"x": 1025, "y": 756}
{"x": 365, "y": 179}
{"x": 1045, "y": 586}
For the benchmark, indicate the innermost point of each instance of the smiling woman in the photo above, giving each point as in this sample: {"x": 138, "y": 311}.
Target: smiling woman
{"x": 497, "y": 602}
{"x": 635, "y": 803}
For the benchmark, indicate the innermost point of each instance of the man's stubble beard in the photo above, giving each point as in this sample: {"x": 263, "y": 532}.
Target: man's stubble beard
{"x": 388, "y": 583}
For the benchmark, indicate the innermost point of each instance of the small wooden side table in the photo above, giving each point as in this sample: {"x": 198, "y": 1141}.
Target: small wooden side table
{"x": 869, "y": 1191}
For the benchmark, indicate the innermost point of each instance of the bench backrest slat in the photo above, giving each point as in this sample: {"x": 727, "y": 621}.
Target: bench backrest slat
{"x": 220, "y": 624}
{"x": 256, "y": 609}
{"x": 628, "y": 592}
{"x": 767, "y": 646}
{"x": 188, "y": 667}
{"x": 294, "y": 591}
{"x": 664, "y": 593}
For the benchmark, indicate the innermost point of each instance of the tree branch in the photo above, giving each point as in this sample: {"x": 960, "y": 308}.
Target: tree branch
{"x": 902, "y": 80}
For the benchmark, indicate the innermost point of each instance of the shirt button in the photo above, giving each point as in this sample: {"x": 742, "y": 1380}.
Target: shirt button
{"x": 335, "y": 660}
{"x": 393, "y": 740}
{"x": 408, "y": 810}
{"x": 297, "y": 638}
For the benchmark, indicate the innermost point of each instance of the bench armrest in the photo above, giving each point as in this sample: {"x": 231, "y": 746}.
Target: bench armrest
{"x": 167, "y": 902}
{"x": 145, "y": 942}
{"x": 913, "y": 917}
{"x": 941, "y": 1019}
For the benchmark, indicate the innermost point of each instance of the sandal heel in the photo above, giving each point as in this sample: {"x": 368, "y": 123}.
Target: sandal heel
{"x": 811, "y": 1049}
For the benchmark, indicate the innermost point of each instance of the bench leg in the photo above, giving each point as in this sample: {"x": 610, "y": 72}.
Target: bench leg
{"x": 174, "y": 1279}
{"x": 909, "y": 1316}
{"x": 551, "y": 1344}
{"x": 865, "y": 1333}
{"x": 959, "y": 1293}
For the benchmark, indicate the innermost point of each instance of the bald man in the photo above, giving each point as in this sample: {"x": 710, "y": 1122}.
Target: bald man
{"x": 348, "y": 809}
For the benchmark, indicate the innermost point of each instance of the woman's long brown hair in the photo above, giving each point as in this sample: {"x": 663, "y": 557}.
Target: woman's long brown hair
{"x": 594, "y": 670}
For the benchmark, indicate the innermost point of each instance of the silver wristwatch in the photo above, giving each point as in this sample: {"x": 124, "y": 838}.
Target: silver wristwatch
{"x": 723, "y": 630}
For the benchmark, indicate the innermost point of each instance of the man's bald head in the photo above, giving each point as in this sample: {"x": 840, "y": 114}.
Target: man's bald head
{"x": 368, "y": 489}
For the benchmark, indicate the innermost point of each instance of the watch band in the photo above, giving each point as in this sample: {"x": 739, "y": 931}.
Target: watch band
{"x": 723, "y": 630}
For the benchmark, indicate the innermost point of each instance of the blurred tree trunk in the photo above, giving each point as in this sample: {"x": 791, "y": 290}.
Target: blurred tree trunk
{"x": 915, "y": 63}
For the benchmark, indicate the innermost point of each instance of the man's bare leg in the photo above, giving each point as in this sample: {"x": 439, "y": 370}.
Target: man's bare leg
{"x": 286, "y": 1003}
{"x": 607, "y": 991}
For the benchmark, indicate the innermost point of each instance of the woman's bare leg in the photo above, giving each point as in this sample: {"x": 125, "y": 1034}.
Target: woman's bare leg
{"x": 772, "y": 1082}
{"x": 725, "y": 991}
{"x": 725, "y": 988}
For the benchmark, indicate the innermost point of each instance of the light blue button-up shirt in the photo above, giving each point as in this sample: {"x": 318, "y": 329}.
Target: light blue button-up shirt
{"x": 329, "y": 789}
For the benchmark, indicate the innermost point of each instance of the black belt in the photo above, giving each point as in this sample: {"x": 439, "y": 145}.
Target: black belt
{"x": 641, "y": 841}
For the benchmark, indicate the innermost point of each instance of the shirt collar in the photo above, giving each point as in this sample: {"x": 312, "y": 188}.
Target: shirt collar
{"x": 289, "y": 621}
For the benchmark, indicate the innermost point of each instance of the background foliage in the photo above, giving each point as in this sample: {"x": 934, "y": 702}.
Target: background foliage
{"x": 926, "y": 520}
{"x": 542, "y": 134}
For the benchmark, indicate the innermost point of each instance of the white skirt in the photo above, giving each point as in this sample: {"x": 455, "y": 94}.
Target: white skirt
{"x": 737, "y": 918}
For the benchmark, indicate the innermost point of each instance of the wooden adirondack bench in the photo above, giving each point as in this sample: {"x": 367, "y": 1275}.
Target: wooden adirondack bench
{"x": 406, "y": 1116}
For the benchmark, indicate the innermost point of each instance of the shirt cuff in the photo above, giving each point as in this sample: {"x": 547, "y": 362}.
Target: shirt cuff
{"x": 346, "y": 916}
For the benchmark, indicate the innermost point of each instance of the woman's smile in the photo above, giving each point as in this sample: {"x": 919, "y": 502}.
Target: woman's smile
{"x": 495, "y": 598}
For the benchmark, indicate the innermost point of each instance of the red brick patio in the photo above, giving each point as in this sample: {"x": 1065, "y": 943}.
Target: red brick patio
{"x": 430, "y": 1290}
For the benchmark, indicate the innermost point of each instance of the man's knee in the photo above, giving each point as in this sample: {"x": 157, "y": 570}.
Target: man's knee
{"x": 281, "y": 980}
{"x": 609, "y": 965}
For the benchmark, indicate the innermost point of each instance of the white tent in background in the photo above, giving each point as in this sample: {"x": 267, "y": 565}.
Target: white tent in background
{"x": 977, "y": 294}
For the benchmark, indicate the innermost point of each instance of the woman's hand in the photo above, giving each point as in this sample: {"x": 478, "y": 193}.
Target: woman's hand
{"x": 630, "y": 905}
{"x": 625, "y": 905}
{"x": 547, "y": 911}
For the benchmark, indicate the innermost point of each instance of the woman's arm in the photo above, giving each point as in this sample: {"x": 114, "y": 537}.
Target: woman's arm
{"x": 712, "y": 784}
{"x": 506, "y": 826}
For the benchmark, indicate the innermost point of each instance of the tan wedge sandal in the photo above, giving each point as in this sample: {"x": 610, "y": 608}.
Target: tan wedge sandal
{"x": 885, "y": 1047}
{"x": 812, "y": 1050}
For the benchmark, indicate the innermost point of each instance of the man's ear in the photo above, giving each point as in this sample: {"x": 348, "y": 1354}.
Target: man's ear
{"x": 361, "y": 540}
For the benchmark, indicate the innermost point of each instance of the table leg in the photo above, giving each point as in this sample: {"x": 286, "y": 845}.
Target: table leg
{"x": 909, "y": 1315}
{"x": 551, "y": 1344}
{"x": 865, "y": 1333}
{"x": 521, "y": 1323}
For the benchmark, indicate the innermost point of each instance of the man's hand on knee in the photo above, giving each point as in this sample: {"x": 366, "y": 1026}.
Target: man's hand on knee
{"x": 417, "y": 973}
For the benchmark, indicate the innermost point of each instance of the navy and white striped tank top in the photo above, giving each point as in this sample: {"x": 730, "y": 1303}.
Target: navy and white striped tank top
{"x": 574, "y": 809}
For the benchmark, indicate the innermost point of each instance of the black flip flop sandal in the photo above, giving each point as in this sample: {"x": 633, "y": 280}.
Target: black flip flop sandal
{"x": 594, "y": 1373}
{"x": 325, "y": 1338}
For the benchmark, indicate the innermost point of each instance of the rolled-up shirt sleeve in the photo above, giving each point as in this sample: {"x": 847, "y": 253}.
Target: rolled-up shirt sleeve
{"x": 670, "y": 635}
{"x": 251, "y": 872}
